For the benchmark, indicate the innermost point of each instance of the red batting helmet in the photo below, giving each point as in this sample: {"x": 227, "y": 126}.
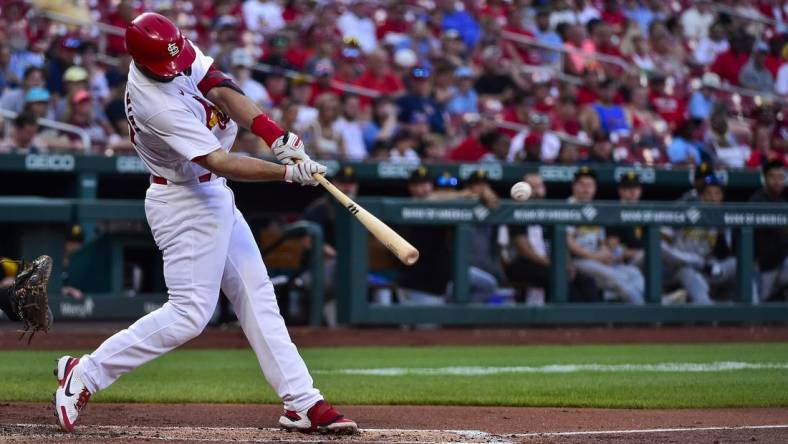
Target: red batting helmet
{"x": 155, "y": 43}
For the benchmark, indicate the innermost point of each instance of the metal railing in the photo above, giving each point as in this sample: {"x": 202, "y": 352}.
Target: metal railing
{"x": 60, "y": 126}
{"x": 602, "y": 58}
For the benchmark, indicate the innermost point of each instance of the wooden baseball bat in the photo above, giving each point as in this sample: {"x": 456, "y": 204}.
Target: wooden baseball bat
{"x": 401, "y": 248}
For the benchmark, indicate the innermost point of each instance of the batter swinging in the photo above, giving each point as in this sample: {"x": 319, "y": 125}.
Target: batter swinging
{"x": 182, "y": 115}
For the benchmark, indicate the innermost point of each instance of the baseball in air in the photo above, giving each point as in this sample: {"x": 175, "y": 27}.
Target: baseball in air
{"x": 520, "y": 191}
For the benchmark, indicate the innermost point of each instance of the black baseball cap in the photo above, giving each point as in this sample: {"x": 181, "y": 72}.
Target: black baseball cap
{"x": 477, "y": 176}
{"x": 420, "y": 174}
{"x": 630, "y": 179}
{"x": 703, "y": 170}
{"x": 584, "y": 171}
{"x": 346, "y": 174}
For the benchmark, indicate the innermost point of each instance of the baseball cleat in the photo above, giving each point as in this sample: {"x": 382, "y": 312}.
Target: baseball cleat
{"x": 321, "y": 417}
{"x": 71, "y": 394}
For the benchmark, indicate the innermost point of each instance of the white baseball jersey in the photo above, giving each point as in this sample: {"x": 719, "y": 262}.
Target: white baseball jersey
{"x": 171, "y": 123}
{"x": 205, "y": 242}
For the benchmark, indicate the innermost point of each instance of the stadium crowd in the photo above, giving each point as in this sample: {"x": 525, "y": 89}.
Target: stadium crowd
{"x": 565, "y": 81}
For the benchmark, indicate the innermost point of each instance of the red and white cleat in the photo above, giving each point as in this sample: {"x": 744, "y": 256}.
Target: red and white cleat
{"x": 321, "y": 417}
{"x": 71, "y": 394}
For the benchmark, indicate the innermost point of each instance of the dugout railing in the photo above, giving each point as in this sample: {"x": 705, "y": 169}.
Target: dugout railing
{"x": 355, "y": 308}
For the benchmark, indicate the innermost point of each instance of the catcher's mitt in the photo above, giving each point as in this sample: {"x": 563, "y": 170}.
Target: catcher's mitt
{"x": 29, "y": 296}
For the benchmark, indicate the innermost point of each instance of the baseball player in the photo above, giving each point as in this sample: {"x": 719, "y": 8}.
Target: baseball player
{"x": 183, "y": 116}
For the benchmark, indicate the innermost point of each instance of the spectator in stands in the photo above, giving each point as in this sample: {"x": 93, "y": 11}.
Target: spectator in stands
{"x": 530, "y": 261}
{"x": 37, "y": 102}
{"x": 708, "y": 48}
{"x": 24, "y": 139}
{"x": 225, "y": 42}
{"x": 97, "y": 76}
{"x": 539, "y": 144}
{"x": 464, "y": 98}
{"x": 419, "y": 102}
{"x": 7, "y": 77}
{"x": 383, "y": 123}
{"x": 594, "y": 256}
{"x": 403, "y": 148}
{"x": 242, "y": 63}
{"x": 546, "y": 34}
{"x": 379, "y": 77}
{"x": 350, "y": 128}
{"x": 499, "y": 146}
{"x": 13, "y": 99}
{"x": 434, "y": 148}
{"x": 427, "y": 280}
{"x": 498, "y": 79}
{"x": 356, "y": 22}
{"x": 641, "y": 54}
{"x": 771, "y": 244}
{"x": 263, "y": 16}
{"x": 569, "y": 154}
{"x": 755, "y": 75}
{"x": 606, "y": 115}
{"x": 702, "y": 101}
{"x": 699, "y": 256}
{"x": 324, "y": 142}
{"x": 667, "y": 101}
{"x": 696, "y": 20}
{"x": 60, "y": 58}
{"x": 74, "y": 79}
{"x": 730, "y": 63}
{"x": 461, "y": 20}
{"x": 721, "y": 143}
{"x": 601, "y": 151}
{"x": 80, "y": 112}
{"x": 684, "y": 149}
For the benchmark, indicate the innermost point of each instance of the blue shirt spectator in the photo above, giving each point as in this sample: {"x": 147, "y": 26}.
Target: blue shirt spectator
{"x": 700, "y": 105}
{"x": 465, "y": 25}
{"x": 465, "y": 98}
{"x": 683, "y": 151}
{"x": 640, "y": 14}
{"x": 548, "y": 36}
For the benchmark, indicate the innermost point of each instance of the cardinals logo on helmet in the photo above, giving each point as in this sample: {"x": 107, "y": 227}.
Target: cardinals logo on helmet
{"x": 173, "y": 49}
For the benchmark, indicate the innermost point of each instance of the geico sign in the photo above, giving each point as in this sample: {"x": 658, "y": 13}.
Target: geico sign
{"x": 49, "y": 162}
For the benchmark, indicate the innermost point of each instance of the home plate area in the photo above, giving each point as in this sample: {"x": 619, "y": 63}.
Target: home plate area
{"x": 27, "y": 433}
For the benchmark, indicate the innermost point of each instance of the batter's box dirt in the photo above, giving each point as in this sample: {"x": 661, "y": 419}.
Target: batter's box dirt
{"x": 35, "y": 432}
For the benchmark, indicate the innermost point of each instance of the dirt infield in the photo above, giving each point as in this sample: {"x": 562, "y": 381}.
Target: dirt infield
{"x": 132, "y": 423}
{"x": 85, "y": 335}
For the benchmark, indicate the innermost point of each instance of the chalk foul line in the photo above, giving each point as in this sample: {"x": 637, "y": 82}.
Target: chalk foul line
{"x": 663, "y": 367}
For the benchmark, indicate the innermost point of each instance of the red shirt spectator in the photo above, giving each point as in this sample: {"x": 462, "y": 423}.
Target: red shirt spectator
{"x": 379, "y": 77}
{"x": 469, "y": 150}
{"x": 729, "y": 63}
{"x": 122, "y": 17}
{"x": 669, "y": 106}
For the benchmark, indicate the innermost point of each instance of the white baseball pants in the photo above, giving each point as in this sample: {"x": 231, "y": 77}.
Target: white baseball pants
{"x": 206, "y": 244}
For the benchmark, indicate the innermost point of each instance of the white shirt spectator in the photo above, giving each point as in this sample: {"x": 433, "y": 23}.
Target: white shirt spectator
{"x": 562, "y": 16}
{"x": 256, "y": 92}
{"x": 781, "y": 85}
{"x": 707, "y": 50}
{"x": 588, "y": 13}
{"x": 409, "y": 156}
{"x": 360, "y": 28}
{"x": 262, "y": 16}
{"x": 352, "y": 135}
{"x": 696, "y": 24}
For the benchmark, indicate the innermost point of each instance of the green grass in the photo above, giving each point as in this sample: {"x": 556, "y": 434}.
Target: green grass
{"x": 234, "y": 376}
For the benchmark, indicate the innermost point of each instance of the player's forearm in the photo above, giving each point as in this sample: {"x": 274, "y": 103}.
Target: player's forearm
{"x": 242, "y": 168}
{"x": 246, "y": 114}
{"x": 236, "y": 105}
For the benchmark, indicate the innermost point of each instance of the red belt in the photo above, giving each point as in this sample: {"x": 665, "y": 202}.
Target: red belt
{"x": 162, "y": 181}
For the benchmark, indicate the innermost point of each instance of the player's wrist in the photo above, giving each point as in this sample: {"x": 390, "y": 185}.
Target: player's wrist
{"x": 265, "y": 128}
